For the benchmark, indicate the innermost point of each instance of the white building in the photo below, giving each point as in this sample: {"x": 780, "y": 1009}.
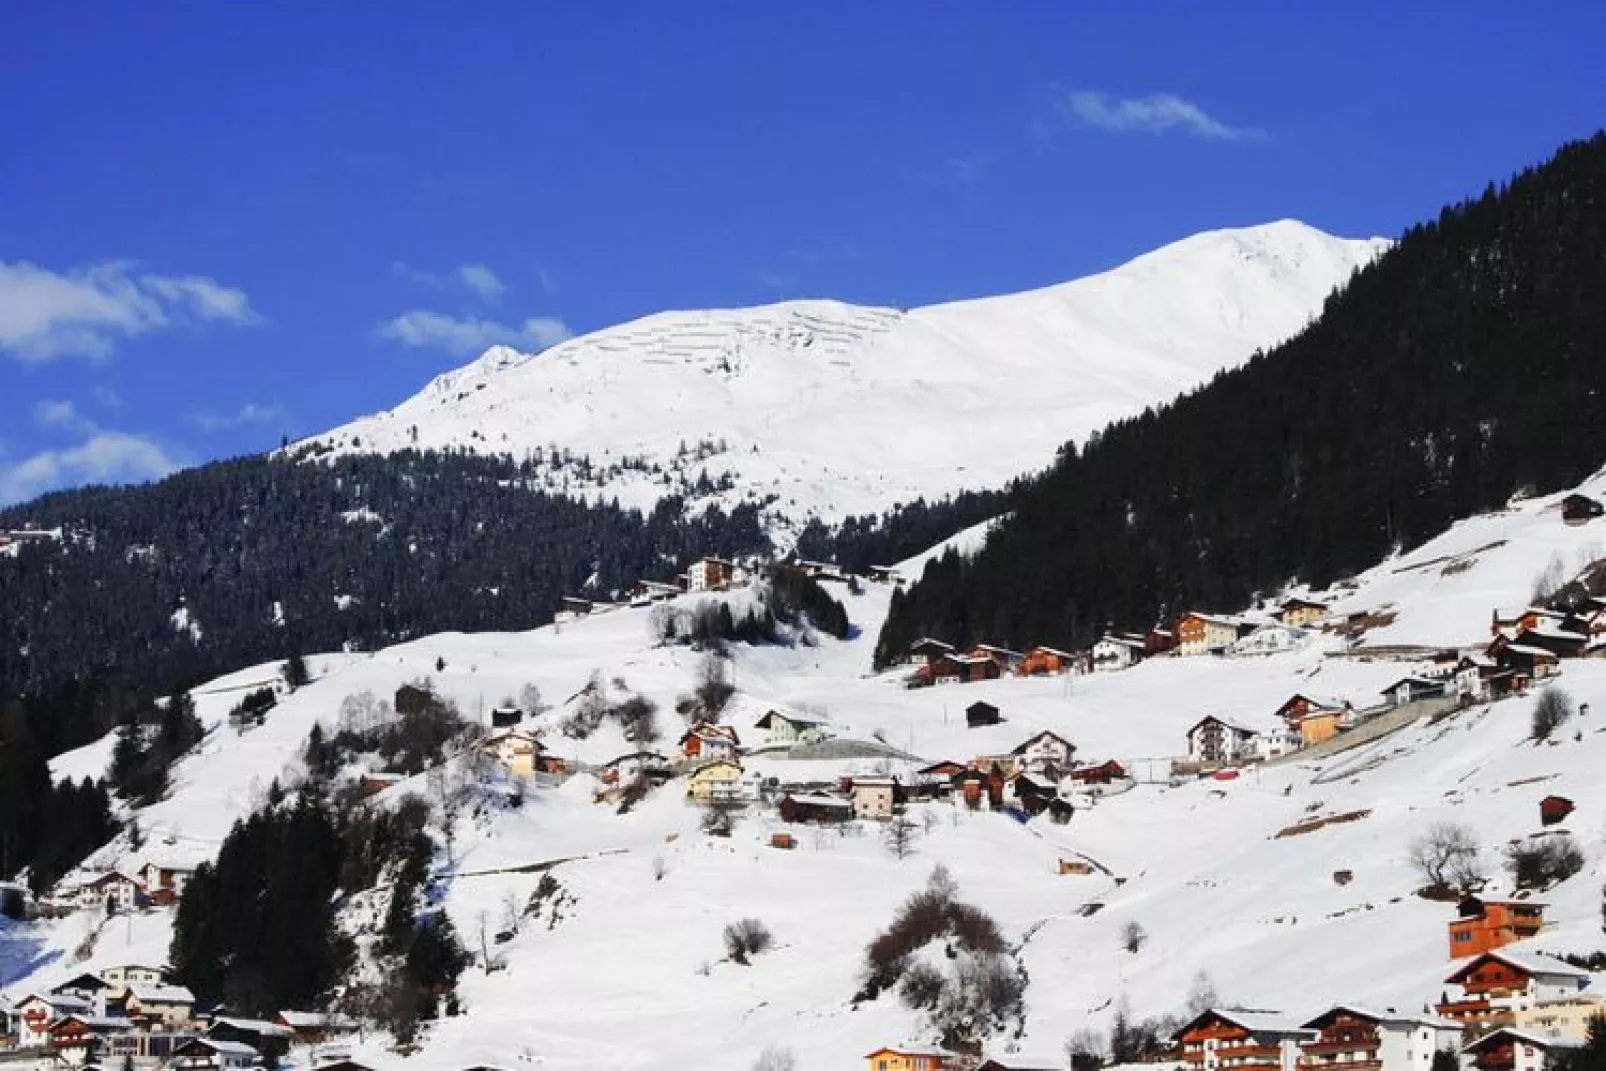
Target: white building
{"x": 873, "y": 797}
{"x": 1045, "y": 752}
{"x": 168, "y": 1004}
{"x": 127, "y": 974}
{"x": 1517, "y": 1050}
{"x": 1268, "y": 640}
{"x": 1348, "y": 1035}
{"x": 1215, "y": 741}
{"x": 1116, "y": 652}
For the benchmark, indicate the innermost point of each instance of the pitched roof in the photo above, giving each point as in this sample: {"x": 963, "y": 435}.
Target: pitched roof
{"x": 1254, "y": 1021}
{"x": 1387, "y": 1016}
{"x": 1029, "y": 741}
{"x": 1530, "y": 962}
{"x": 252, "y": 1026}
{"x": 1528, "y": 1037}
{"x": 223, "y": 1048}
{"x": 303, "y": 1020}
{"x": 787, "y": 715}
{"x": 815, "y": 799}
{"x": 161, "y": 994}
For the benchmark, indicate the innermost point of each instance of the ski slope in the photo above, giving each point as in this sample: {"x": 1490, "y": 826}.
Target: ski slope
{"x": 631, "y": 975}
{"x": 820, "y": 408}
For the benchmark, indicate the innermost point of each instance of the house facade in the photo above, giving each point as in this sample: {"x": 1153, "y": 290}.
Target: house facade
{"x": 1511, "y": 1049}
{"x": 1046, "y": 753}
{"x": 518, "y": 751}
{"x": 791, "y": 727}
{"x": 1268, "y": 640}
{"x": 1218, "y": 1040}
{"x": 1046, "y": 662}
{"x": 1115, "y": 652}
{"x": 1485, "y": 925}
{"x": 714, "y": 781}
{"x": 164, "y": 884}
{"x": 158, "y": 1004}
{"x": 127, "y": 974}
{"x": 1349, "y": 1038}
{"x": 1215, "y": 741}
{"x": 908, "y": 1059}
{"x": 1301, "y": 613}
{"x": 710, "y": 742}
{"x": 1489, "y": 990}
{"x": 211, "y": 1054}
{"x": 1198, "y": 634}
{"x": 710, "y": 574}
{"x": 874, "y": 797}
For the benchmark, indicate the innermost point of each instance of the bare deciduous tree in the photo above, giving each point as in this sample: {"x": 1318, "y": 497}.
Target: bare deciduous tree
{"x": 746, "y": 938}
{"x": 899, "y": 836}
{"x": 1446, "y": 857}
{"x": 1553, "y": 707}
{"x": 1133, "y": 936}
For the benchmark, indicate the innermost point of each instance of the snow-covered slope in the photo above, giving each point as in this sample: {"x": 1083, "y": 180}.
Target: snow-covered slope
{"x": 632, "y": 975}
{"x": 837, "y": 409}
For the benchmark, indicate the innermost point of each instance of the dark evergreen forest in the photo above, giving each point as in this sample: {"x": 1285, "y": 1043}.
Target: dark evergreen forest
{"x": 1466, "y": 364}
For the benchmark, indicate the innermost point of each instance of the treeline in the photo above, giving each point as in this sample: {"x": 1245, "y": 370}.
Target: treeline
{"x": 46, "y": 826}
{"x": 1461, "y": 367}
{"x": 904, "y": 531}
{"x": 157, "y": 588}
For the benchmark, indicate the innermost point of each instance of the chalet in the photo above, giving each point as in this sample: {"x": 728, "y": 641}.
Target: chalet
{"x": 78, "y": 1039}
{"x": 1487, "y": 990}
{"x": 1215, "y": 741}
{"x": 815, "y": 808}
{"x": 91, "y": 988}
{"x": 1104, "y": 773}
{"x": 715, "y": 781}
{"x": 981, "y": 713}
{"x": 306, "y": 1028}
{"x": 1046, "y": 753}
{"x": 518, "y": 750}
{"x": 876, "y": 797}
{"x": 1199, "y": 634}
{"x": 964, "y": 668}
{"x": 1524, "y": 663}
{"x": 1555, "y": 637}
{"x": 791, "y": 727}
{"x": 1032, "y": 792}
{"x": 1007, "y": 661}
{"x": 127, "y": 974}
{"x": 1301, "y": 613}
{"x": 1413, "y": 689}
{"x": 705, "y": 742}
{"x": 645, "y": 591}
{"x": 164, "y": 883}
{"x": 1510, "y": 622}
{"x": 884, "y": 574}
{"x": 710, "y": 574}
{"x": 1268, "y": 640}
{"x": 1222, "y": 1038}
{"x": 1483, "y": 925}
{"x": 1315, "y": 718}
{"x": 1046, "y": 662}
{"x": 505, "y": 717}
{"x": 113, "y": 890}
{"x": 1159, "y": 640}
{"x": 945, "y": 769}
{"x": 1510, "y": 1049}
{"x": 1554, "y": 809}
{"x": 1348, "y": 1036}
{"x": 928, "y": 650}
{"x": 634, "y": 766}
{"x": 1478, "y": 679}
{"x": 1580, "y": 509}
{"x": 213, "y": 1054}
{"x": 1114, "y": 652}
{"x": 158, "y": 1004}
{"x": 268, "y": 1039}
{"x": 571, "y": 607}
{"x": 909, "y": 1059}
{"x": 35, "y": 1012}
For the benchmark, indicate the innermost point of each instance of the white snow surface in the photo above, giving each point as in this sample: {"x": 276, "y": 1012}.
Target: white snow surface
{"x": 837, "y": 409}
{"x": 619, "y": 981}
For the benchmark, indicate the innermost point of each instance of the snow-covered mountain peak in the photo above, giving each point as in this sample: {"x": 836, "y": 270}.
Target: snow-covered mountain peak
{"x": 826, "y": 408}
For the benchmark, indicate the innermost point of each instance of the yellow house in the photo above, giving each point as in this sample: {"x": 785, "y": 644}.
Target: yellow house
{"x": 1566, "y": 1017}
{"x": 1301, "y": 613}
{"x": 908, "y": 1060}
{"x": 1317, "y": 726}
{"x": 515, "y": 749}
{"x": 717, "y": 778}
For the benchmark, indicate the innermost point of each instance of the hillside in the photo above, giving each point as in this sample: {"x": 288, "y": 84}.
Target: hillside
{"x": 819, "y": 408}
{"x": 1458, "y": 369}
{"x": 611, "y": 980}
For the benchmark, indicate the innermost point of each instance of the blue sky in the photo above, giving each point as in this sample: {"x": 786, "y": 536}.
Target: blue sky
{"x": 223, "y": 223}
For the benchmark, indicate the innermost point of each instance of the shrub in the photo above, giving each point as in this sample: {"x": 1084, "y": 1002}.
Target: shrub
{"x": 1553, "y": 707}
{"x": 1133, "y": 937}
{"x": 1541, "y": 864}
{"x": 746, "y": 938}
{"x": 921, "y": 987}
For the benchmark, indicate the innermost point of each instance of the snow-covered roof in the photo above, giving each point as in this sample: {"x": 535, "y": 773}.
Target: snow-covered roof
{"x": 226, "y": 1048}
{"x": 1254, "y": 1021}
{"x": 795, "y": 717}
{"x": 815, "y": 799}
{"x": 1531, "y": 962}
{"x": 161, "y": 994}
{"x": 1528, "y": 649}
{"x": 303, "y": 1020}
{"x": 59, "y": 1002}
{"x": 1527, "y": 1037}
{"x": 1213, "y": 619}
{"x": 252, "y": 1026}
{"x": 1388, "y": 1015}
{"x": 101, "y": 1022}
{"x": 1047, "y": 734}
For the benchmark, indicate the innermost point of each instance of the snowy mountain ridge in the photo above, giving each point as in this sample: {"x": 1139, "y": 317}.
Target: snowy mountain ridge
{"x": 822, "y": 408}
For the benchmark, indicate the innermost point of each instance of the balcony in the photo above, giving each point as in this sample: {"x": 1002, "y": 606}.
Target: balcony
{"x": 1340, "y": 1065}
{"x": 1320, "y": 1048}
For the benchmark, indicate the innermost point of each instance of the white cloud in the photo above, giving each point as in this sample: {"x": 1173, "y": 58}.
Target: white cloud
{"x": 85, "y": 312}
{"x": 477, "y": 277}
{"x": 1159, "y": 113}
{"x": 467, "y": 336}
{"x": 60, "y": 413}
{"x": 481, "y": 280}
{"x": 104, "y": 457}
{"x": 249, "y": 413}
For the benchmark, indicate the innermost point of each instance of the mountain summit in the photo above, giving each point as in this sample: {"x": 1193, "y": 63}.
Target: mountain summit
{"x": 822, "y": 408}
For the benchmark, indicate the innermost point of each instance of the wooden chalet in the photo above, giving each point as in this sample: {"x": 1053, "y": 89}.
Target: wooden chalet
{"x": 1580, "y": 509}
{"x": 1104, "y": 773}
{"x": 164, "y": 882}
{"x": 927, "y": 650}
{"x": 1507, "y": 1048}
{"x": 571, "y": 607}
{"x": 78, "y": 1038}
{"x": 1046, "y": 753}
{"x": 909, "y": 1059}
{"x": 1159, "y": 640}
{"x": 1115, "y": 651}
{"x": 1555, "y": 637}
{"x": 884, "y": 574}
{"x": 710, "y": 742}
{"x": 981, "y": 713}
{"x": 1483, "y": 925}
{"x": 1414, "y": 688}
{"x": 1046, "y": 662}
{"x": 1486, "y": 990}
{"x": 1007, "y": 661}
{"x": 646, "y": 591}
{"x": 215, "y": 1054}
{"x": 1199, "y": 633}
{"x": 1523, "y": 663}
{"x": 306, "y": 1028}
{"x": 815, "y": 809}
{"x": 791, "y": 727}
{"x": 152, "y": 1004}
{"x": 1350, "y": 1038}
{"x": 1222, "y": 1038}
{"x": 1315, "y": 718}
{"x": 518, "y": 751}
{"x": 33, "y": 1014}
{"x": 1032, "y": 792}
{"x": 267, "y": 1039}
{"x": 945, "y": 769}
{"x": 1301, "y": 613}
{"x": 973, "y": 787}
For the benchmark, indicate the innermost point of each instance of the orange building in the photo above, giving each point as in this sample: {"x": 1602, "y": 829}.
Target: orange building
{"x": 1046, "y": 661}
{"x": 1484, "y": 925}
{"x": 908, "y": 1060}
